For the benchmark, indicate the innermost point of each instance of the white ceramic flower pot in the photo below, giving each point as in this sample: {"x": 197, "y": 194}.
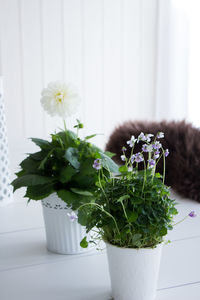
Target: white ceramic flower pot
{"x": 133, "y": 272}
{"x": 63, "y": 236}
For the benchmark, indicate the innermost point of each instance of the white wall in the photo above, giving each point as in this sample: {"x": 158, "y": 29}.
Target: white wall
{"x": 107, "y": 48}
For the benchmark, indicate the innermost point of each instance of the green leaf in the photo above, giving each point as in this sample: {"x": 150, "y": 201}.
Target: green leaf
{"x": 38, "y": 192}
{"x": 67, "y": 196}
{"x": 43, "y": 162}
{"x": 84, "y": 181}
{"x": 132, "y": 216}
{"x": 38, "y": 155}
{"x": 73, "y": 200}
{"x": 20, "y": 173}
{"x": 83, "y": 216}
{"x": 90, "y": 136}
{"x": 122, "y": 198}
{"x": 30, "y": 180}
{"x": 108, "y": 163}
{"x": 72, "y": 156}
{"x": 67, "y": 173}
{"x": 163, "y": 231}
{"x": 84, "y": 243}
{"x": 29, "y": 165}
{"x": 43, "y": 144}
{"x": 123, "y": 169}
{"x": 158, "y": 175}
{"x": 136, "y": 237}
{"x": 81, "y": 192}
{"x": 79, "y": 124}
{"x": 86, "y": 167}
{"x": 110, "y": 154}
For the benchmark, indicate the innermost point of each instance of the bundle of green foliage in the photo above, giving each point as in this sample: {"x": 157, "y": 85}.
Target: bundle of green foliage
{"x": 63, "y": 165}
{"x": 132, "y": 209}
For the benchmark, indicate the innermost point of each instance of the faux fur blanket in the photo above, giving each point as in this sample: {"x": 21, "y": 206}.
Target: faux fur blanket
{"x": 183, "y": 142}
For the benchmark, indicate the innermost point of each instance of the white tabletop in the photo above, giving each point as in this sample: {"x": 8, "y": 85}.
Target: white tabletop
{"x": 29, "y": 272}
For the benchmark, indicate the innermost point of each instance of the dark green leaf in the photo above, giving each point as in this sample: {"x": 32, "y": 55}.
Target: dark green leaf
{"x": 43, "y": 144}
{"x": 72, "y": 156}
{"x": 132, "y": 216}
{"x": 86, "y": 167}
{"x": 67, "y": 173}
{"x": 30, "y": 180}
{"x": 38, "y": 192}
{"x": 81, "y": 192}
{"x": 163, "y": 231}
{"x": 68, "y": 197}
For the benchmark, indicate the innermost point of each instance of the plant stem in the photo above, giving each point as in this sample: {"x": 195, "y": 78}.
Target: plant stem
{"x": 107, "y": 213}
{"x": 163, "y": 165}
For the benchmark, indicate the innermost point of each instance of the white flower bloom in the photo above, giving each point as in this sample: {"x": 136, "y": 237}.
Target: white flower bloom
{"x": 60, "y": 99}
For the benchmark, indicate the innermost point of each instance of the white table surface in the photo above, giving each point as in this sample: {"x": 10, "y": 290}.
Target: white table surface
{"x": 29, "y": 272}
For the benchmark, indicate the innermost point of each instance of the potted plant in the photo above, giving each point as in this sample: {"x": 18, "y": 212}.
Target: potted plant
{"x": 132, "y": 214}
{"x": 60, "y": 173}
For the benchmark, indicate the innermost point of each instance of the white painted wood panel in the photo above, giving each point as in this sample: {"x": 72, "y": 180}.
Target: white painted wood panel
{"x": 104, "y": 47}
{"x": 73, "y": 53}
{"x": 31, "y": 66}
{"x": 52, "y": 51}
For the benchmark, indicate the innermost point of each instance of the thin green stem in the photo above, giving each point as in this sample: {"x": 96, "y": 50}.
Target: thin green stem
{"x": 103, "y": 210}
{"x": 180, "y": 221}
{"x": 163, "y": 165}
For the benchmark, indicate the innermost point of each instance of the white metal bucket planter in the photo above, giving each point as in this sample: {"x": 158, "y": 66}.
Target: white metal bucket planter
{"x": 63, "y": 236}
{"x": 133, "y": 272}
{"x": 5, "y": 187}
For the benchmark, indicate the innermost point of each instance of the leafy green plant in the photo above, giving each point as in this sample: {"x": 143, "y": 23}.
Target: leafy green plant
{"x": 63, "y": 165}
{"x": 132, "y": 209}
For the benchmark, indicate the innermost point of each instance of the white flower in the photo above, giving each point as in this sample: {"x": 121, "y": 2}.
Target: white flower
{"x": 60, "y": 99}
{"x": 72, "y": 216}
{"x": 160, "y": 135}
{"x": 123, "y": 157}
{"x": 132, "y": 141}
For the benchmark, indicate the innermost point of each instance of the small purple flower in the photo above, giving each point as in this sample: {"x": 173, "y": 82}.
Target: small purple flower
{"x": 123, "y": 157}
{"x": 156, "y": 154}
{"x": 151, "y": 163}
{"x": 131, "y": 142}
{"x": 124, "y": 149}
{"x": 166, "y": 152}
{"x": 138, "y": 157}
{"x": 160, "y": 135}
{"x": 97, "y": 164}
{"x": 72, "y": 216}
{"x": 192, "y": 214}
{"x": 132, "y": 158}
{"x": 141, "y": 137}
{"x": 157, "y": 145}
{"x": 147, "y": 148}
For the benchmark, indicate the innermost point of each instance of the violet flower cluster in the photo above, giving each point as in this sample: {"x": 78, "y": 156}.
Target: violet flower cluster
{"x": 150, "y": 145}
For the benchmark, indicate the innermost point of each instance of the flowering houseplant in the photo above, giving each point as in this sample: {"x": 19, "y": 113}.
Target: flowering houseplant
{"x": 132, "y": 214}
{"x": 61, "y": 172}
{"x": 133, "y": 209}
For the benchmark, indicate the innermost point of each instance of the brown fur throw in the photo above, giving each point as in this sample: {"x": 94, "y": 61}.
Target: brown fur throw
{"x": 183, "y": 142}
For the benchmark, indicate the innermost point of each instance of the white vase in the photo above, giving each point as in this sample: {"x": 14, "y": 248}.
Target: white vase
{"x": 6, "y": 195}
{"x": 133, "y": 272}
{"x": 63, "y": 236}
